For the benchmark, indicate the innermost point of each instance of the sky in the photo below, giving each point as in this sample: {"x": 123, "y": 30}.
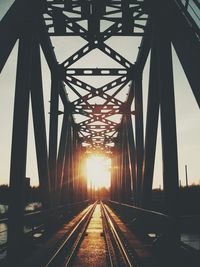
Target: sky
{"x": 187, "y": 110}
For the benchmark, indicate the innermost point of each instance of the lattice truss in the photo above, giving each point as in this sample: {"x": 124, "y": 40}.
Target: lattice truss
{"x": 96, "y": 21}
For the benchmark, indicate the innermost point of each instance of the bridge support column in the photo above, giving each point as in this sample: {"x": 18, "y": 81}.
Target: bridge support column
{"x": 131, "y": 156}
{"x": 19, "y": 150}
{"x": 121, "y": 170}
{"x": 76, "y": 166}
{"x": 53, "y": 134}
{"x": 82, "y": 194}
{"x": 80, "y": 176}
{"x": 128, "y": 169}
{"x": 118, "y": 180}
{"x": 115, "y": 183}
{"x": 125, "y": 169}
{"x": 70, "y": 168}
{"x": 167, "y": 107}
{"x": 82, "y": 159}
{"x": 114, "y": 175}
{"x": 151, "y": 127}
{"x": 168, "y": 127}
{"x": 39, "y": 124}
{"x": 123, "y": 165}
{"x": 66, "y": 175}
{"x": 61, "y": 155}
{"x": 139, "y": 134}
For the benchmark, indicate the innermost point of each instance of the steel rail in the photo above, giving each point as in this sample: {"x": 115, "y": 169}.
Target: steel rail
{"x": 128, "y": 261}
{"x": 108, "y": 241}
{"x": 78, "y": 230}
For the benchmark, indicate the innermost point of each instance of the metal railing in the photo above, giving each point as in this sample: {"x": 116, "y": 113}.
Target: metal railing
{"x": 37, "y": 220}
{"x": 147, "y": 220}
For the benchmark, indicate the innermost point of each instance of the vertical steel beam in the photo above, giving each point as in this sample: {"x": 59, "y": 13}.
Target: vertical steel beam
{"x": 78, "y": 174}
{"x": 139, "y": 134}
{"x": 74, "y": 162}
{"x": 39, "y": 124}
{"x": 125, "y": 172}
{"x": 151, "y": 126}
{"x": 168, "y": 125}
{"x": 118, "y": 183}
{"x": 127, "y": 22}
{"x": 82, "y": 171}
{"x": 53, "y": 134}
{"x": 113, "y": 177}
{"x": 120, "y": 180}
{"x": 123, "y": 164}
{"x": 167, "y": 108}
{"x": 75, "y": 165}
{"x": 70, "y": 167}
{"x": 19, "y": 150}
{"x": 67, "y": 169}
{"x": 127, "y": 163}
{"x": 61, "y": 155}
{"x": 116, "y": 166}
{"x": 131, "y": 155}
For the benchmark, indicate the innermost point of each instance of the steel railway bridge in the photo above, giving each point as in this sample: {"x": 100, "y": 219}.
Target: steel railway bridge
{"x": 36, "y": 24}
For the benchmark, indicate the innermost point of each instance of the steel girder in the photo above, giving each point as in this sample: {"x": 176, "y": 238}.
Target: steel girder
{"x": 96, "y": 22}
{"x": 19, "y": 147}
{"x": 86, "y": 19}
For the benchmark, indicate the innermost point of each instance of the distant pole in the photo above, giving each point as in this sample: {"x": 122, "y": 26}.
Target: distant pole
{"x": 186, "y": 176}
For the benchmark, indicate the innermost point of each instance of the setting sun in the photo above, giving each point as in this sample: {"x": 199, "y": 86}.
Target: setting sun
{"x": 98, "y": 171}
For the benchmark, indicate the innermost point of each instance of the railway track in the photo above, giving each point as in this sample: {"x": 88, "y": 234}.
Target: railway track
{"x": 120, "y": 253}
{"x": 116, "y": 248}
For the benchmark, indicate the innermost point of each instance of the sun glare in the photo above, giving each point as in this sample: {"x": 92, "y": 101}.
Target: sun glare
{"x": 98, "y": 171}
